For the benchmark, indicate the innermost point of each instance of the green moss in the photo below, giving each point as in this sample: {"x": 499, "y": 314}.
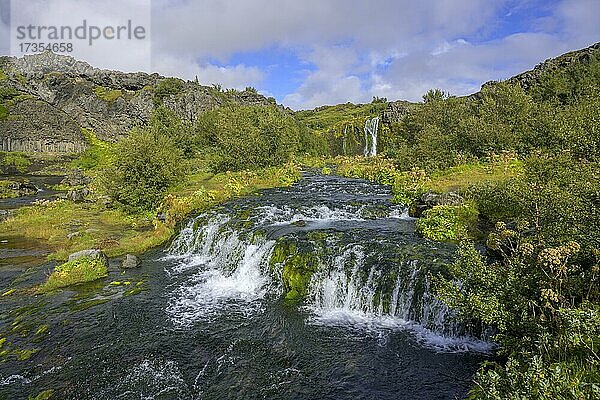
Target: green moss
{"x": 107, "y": 94}
{"x": 24, "y": 354}
{"x": 448, "y": 223}
{"x": 297, "y": 269}
{"x": 88, "y": 304}
{"x": 82, "y": 270}
{"x": 45, "y": 395}
{"x": 42, "y": 330}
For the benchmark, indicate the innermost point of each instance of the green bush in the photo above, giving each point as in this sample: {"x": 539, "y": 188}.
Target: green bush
{"x": 448, "y": 223}
{"x": 165, "y": 122}
{"x": 144, "y": 167}
{"x": 247, "y": 137}
{"x": 167, "y": 87}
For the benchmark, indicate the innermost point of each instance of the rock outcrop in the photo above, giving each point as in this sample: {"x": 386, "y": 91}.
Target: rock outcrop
{"x": 46, "y": 99}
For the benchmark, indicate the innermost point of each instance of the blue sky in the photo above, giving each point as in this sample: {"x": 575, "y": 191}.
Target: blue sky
{"x": 308, "y": 53}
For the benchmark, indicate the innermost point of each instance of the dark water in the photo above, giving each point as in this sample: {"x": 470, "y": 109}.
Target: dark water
{"x": 206, "y": 319}
{"x": 44, "y": 184}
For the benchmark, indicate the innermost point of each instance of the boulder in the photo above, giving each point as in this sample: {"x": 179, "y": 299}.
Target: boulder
{"x": 90, "y": 253}
{"x": 76, "y": 178}
{"x": 130, "y": 261}
{"x": 78, "y": 195}
{"x": 431, "y": 199}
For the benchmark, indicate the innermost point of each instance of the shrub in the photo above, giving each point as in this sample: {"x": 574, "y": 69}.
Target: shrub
{"x": 448, "y": 223}
{"x": 81, "y": 270}
{"x": 247, "y": 137}
{"x": 167, "y": 87}
{"x": 145, "y": 166}
{"x": 165, "y": 122}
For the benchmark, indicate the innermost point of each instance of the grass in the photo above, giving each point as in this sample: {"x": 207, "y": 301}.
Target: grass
{"x": 81, "y": 270}
{"x": 461, "y": 177}
{"x": 5, "y": 190}
{"x": 18, "y": 161}
{"x": 118, "y": 233}
{"x": 98, "y": 153}
{"x": 107, "y": 94}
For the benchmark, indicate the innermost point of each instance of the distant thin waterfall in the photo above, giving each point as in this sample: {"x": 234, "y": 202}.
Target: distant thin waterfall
{"x": 371, "y": 128}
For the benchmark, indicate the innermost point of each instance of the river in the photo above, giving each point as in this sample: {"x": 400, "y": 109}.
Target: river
{"x": 205, "y": 317}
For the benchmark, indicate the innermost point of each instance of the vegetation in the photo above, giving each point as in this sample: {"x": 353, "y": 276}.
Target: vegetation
{"x": 15, "y": 162}
{"x": 167, "y": 87}
{"x": 7, "y": 191}
{"x": 246, "y": 137}
{"x": 448, "y": 223}
{"x": 527, "y": 163}
{"x": 144, "y": 167}
{"x": 97, "y": 155}
{"x": 81, "y": 270}
{"x": 107, "y": 94}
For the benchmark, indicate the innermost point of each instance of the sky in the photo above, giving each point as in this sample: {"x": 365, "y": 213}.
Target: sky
{"x": 308, "y": 53}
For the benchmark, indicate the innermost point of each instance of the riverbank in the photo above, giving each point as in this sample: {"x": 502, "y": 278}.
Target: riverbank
{"x": 65, "y": 226}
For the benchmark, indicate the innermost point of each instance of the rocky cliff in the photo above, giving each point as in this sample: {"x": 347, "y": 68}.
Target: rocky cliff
{"x": 46, "y": 99}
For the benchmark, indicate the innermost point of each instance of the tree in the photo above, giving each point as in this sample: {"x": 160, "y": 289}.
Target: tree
{"x": 145, "y": 166}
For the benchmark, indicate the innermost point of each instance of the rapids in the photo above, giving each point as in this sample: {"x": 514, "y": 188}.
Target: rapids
{"x": 217, "y": 317}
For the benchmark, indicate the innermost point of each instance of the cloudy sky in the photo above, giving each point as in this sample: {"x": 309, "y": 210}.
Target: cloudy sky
{"x": 308, "y": 53}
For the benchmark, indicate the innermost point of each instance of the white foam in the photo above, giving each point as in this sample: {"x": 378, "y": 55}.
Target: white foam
{"x": 219, "y": 269}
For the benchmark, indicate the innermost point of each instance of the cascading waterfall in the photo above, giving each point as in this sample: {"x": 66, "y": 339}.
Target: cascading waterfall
{"x": 223, "y": 264}
{"x": 371, "y": 128}
{"x": 371, "y": 271}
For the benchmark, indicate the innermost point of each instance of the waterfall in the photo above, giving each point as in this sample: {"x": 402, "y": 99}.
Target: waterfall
{"x": 363, "y": 265}
{"x": 371, "y": 128}
{"x": 225, "y": 269}
{"x": 352, "y": 286}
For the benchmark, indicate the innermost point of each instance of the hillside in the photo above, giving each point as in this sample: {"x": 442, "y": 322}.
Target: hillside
{"x": 46, "y": 99}
{"x": 561, "y": 79}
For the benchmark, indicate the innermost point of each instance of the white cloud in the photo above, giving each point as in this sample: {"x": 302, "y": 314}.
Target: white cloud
{"x": 235, "y": 76}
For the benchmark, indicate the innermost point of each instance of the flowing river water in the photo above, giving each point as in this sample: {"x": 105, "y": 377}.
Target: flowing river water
{"x": 207, "y": 317}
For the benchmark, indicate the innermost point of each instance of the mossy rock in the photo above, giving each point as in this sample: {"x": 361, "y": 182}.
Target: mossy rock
{"x": 80, "y": 270}
{"x": 297, "y": 272}
{"x": 297, "y": 268}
